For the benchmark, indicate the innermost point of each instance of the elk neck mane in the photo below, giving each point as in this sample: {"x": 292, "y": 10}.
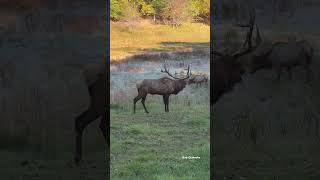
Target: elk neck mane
{"x": 178, "y": 84}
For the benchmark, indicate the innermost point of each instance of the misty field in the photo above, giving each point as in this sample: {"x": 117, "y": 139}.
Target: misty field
{"x": 151, "y": 146}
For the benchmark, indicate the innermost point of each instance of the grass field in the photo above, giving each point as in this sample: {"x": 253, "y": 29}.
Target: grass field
{"x": 141, "y": 37}
{"x": 29, "y": 166}
{"x": 151, "y": 146}
{"x": 279, "y": 157}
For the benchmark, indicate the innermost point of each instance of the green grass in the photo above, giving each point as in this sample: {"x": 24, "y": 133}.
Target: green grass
{"x": 147, "y": 37}
{"x": 151, "y": 146}
{"x": 21, "y": 158}
{"x": 32, "y": 166}
{"x": 285, "y": 158}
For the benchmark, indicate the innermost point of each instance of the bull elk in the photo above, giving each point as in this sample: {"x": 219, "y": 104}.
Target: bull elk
{"x": 96, "y": 80}
{"x": 227, "y": 69}
{"x": 164, "y": 86}
{"x": 281, "y": 55}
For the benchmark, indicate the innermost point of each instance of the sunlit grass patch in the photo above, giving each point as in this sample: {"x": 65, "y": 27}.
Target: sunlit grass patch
{"x": 148, "y": 37}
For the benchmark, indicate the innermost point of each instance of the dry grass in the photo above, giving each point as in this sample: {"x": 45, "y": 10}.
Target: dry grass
{"x": 126, "y": 40}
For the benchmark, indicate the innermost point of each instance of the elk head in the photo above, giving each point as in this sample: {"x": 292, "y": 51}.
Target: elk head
{"x": 227, "y": 69}
{"x": 240, "y": 61}
{"x": 181, "y": 82}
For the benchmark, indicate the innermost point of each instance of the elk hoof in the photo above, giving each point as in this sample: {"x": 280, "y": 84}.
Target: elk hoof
{"x": 147, "y": 112}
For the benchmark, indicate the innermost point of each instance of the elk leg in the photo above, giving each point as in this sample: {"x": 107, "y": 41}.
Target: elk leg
{"x": 105, "y": 129}
{"x": 164, "y": 102}
{"x": 167, "y": 103}
{"x": 278, "y": 72}
{"x": 81, "y": 123}
{"x": 135, "y": 101}
{"x": 144, "y": 106}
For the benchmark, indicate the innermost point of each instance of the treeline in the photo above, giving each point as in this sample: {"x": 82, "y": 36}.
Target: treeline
{"x": 274, "y": 8}
{"x": 172, "y": 12}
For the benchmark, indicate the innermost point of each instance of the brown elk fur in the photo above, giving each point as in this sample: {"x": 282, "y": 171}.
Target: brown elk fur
{"x": 96, "y": 79}
{"x": 164, "y": 86}
{"x": 226, "y": 73}
{"x": 281, "y": 55}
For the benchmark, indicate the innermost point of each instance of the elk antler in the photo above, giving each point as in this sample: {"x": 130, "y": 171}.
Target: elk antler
{"x": 167, "y": 71}
{"x": 248, "y": 40}
{"x": 258, "y": 38}
{"x": 188, "y": 73}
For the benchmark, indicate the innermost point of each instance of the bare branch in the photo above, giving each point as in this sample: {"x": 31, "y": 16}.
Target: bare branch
{"x": 252, "y": 17}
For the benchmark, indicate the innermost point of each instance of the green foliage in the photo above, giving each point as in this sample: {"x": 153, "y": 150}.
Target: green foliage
{"x": 172, "y": 12}
{"x": 147, "y": 9}
{"x": 130, "y": 12}
{"x": 199, "y": 9}
{"x": 144, "y": 7}
{"x": 158, "y": 5}
{"x": 115, "y": 10}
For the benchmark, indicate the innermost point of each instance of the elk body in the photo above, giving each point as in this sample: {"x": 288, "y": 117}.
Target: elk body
{"x": 96, "y": 80}
{"x": 198, "y": 80}
{"x": 282, "y": 55}
{"x": 164, "y": 86}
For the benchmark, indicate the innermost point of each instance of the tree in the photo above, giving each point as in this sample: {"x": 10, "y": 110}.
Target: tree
{"x": 147, "y": 10}
{"x": 158, "y": 6}
{"x": 175, "y": 12}
{"x": 199, "y": 9}
{"x": 115, "y": 10}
